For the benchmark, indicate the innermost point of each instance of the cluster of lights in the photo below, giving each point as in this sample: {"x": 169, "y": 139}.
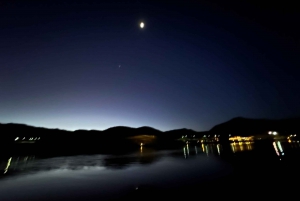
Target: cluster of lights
{"x": 212, "y": 136}
{"x": 187, "y": 136}
{"x": 272, "y": 133}
{"x": 37, "y": 138}
{"x": 291, "y": 137}
{"x": 239, "y": 138}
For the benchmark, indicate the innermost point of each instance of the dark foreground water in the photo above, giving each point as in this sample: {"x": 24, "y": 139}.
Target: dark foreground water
{"x": 212, "y": 171}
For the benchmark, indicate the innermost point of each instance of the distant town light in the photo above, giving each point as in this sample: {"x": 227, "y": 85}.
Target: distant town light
{"x": 295, "y": 135}
{"x": 270, "y": 132}
{"x": 274, "y": 133}
{"x": 16, "y": 138}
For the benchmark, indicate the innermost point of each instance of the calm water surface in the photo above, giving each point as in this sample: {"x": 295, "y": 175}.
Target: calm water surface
{"x": 214, "y": 169}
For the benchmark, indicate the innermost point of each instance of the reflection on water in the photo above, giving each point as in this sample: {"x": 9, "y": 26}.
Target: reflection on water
{"x": 38, "y": 176}
{"x": 7, "y": 165}
{"x": 215, "y": 149}
{"x": 14, "y": 165}
{"x": 278, "y": 148}
{"x": 16, "y": 162}
{"x": 241, "y": 146}
{"x": 29, "y": 164}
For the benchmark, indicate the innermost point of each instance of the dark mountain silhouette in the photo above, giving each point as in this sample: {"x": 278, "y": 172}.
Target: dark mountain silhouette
{"x": 247, "y": 126}
{"x": 120, "y": 134}
{"x": 117, "y": 134}
{"x": 123, "y": 131}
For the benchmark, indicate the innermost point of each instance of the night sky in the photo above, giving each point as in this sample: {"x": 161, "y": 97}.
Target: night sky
{"x": 88, "y": 64}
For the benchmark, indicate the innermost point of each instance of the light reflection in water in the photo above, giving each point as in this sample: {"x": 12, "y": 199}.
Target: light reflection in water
{"x": 188, "y": 149}
{"x": 14, "y": 162}
{"x": 217, "y": 149}
{"x": 241, "y": 146}
{"x": 278, "y": 148}
{"x": 7, "y": 165}
{"x": 204, "y": 148}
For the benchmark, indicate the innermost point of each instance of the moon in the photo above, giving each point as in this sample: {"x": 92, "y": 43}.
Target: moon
{"x": 142, "y": 25}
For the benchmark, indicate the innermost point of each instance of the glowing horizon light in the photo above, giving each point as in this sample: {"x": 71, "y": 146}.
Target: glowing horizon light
{"x": 270, "y": 132}
{"x": 16, "y": 138}
{"x": 274, "y": 133}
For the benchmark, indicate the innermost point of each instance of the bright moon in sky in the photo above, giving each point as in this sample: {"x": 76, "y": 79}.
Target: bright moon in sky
{"x": 142, "y": 25}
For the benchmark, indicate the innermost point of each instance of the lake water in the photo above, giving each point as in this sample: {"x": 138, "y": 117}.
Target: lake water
{"x": 211, "y": 171}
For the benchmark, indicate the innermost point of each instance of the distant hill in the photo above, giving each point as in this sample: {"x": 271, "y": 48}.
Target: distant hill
{"x": 11, "y": 130}
{"x": 237, "y": 126}
{"x": 121, "y": 131}
{"x": 246, "y": 126}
